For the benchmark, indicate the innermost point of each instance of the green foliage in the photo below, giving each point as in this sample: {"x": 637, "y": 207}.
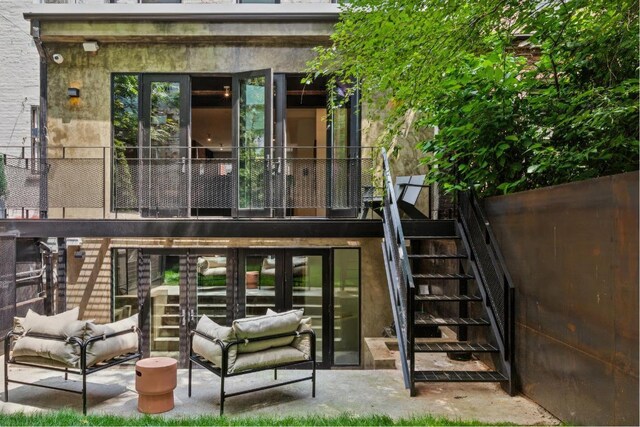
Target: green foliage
{"x": 4, "y": 185}
{"x": 513, "y": 113}
{"x": 68, "y": 418}
{"x": 125, "y": 132}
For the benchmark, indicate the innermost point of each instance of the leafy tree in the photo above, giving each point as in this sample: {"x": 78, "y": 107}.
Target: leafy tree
{"x": 514, "y": 112}
{"x": 4, "y": 185}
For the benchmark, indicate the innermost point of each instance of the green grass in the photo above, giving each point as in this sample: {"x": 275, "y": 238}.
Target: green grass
{"x": 69, "y": 418}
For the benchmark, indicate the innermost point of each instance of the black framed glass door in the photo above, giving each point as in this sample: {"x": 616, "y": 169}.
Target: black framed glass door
{"x": 252, "y": 128}
{"x": 164, "y": 147}
{"x": 343, "y": 152}
{"x": 285, "y": 279}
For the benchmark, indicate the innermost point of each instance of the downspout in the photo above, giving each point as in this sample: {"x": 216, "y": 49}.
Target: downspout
{"x": 42, "y": 127}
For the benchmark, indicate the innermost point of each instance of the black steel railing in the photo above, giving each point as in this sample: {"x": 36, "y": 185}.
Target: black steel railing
{"x": 399, "y": 277}
{"x": 494, "y": 276}
{"x": 187, "y": 182}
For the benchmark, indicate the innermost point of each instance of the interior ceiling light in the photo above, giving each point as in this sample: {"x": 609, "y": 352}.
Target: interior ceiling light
{"x": 227, "y": 91}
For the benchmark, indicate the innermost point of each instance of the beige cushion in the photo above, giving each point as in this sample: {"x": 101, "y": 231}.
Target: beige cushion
{"x": 17, "y": 324}
{"x": 102, "y": 350}
{"x": 267, "y": 358}
{"x": 210, "y": 350}
{"x": 303, "y": 342}
{"x": 64, "y": 352}
{"x": 42, "y": 361}
{"x": 261, "y": 326}
{"x": 206, "y": 263}
{"x": 50, "y": 325}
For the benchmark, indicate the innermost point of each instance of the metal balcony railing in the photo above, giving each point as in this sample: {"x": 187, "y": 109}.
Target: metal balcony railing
{"x": 173, "y": 182}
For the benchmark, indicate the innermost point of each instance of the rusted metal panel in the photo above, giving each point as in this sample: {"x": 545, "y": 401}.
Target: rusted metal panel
{"x": 572, "y": 251}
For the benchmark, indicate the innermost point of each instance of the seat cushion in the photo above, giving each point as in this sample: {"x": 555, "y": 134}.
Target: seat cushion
{"x": 42, "y": 361}
{"x": 267, "y": 358}
{"x": 99, "y": 351}
{"x": 261, "y": 326}
{"x": 210, "y": 350}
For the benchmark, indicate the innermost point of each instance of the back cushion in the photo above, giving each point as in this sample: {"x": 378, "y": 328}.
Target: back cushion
{"x": 261, "y": 326}
{"x": 210, "y": 350}
{"x": 59, "y": 326}
{"x": 101, "y": 350}
{"x": 50, "y": 325}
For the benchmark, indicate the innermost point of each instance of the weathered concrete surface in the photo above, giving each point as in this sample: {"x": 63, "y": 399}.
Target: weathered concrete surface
{"x": 572, "y": 251}
{"x": 357, "y": 392}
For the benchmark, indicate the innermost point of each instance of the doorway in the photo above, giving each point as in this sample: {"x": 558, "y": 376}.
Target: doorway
{"x": 178, "y": 287}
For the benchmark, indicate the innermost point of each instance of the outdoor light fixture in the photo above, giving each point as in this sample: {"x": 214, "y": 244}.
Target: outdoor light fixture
{"x": 90, "y": 46}
{"x": 227, "y": 91}
{"x": 73, "y": 92}
{"x": 208, "y": 137}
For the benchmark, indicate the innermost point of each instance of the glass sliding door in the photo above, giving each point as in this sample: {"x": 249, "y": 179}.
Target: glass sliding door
{"x": 260, "y": 282}
{"x": 164, "y": 149}
{"x": 346, "y": 306}
{"x": 252, "y": 94}
{"x": 306, "y": 286}
{"x": 166, "y": 315}
{"x": 343, "y": 151}
{"x": 212, "y": 270}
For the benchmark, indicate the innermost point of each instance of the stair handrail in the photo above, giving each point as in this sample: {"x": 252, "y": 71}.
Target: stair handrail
{"x": 401, "y": 285}
{"x": 471, "y": 212}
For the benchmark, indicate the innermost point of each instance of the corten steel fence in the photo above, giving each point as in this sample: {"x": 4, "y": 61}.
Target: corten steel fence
{"x": 162, "y": 185}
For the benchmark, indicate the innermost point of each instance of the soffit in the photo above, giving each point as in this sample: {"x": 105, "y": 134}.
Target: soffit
{"x": 289, "y": 33}
{"x": 312, "y": 12}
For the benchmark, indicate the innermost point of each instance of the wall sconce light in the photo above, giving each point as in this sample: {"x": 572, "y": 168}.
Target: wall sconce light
{"x": 73, "y": 92}
{"x": 90, "y": 46}
{"x": 209, "y": 137}
{"x": 227, "y": 91}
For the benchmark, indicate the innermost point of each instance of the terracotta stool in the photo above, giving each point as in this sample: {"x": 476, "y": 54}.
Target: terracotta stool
{"x": 155, "y": 381}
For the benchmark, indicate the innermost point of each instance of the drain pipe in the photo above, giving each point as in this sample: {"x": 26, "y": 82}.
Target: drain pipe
{"x": 42, "y": 125}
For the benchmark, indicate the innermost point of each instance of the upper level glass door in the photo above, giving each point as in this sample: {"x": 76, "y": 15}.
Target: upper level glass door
{"x": 253, "y": 135}
{"x": 164, "y": 148}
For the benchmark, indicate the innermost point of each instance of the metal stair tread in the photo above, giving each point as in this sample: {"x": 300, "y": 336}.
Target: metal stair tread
{"x": 459, "y": 376}
{"x": 448, "y": 298}
{"x": 447, "y": 347}
{"x": 443, "y": 276}
{"x": 438, "y": 256}
{"x": 431, "y": 237}
{"x": 449, "y": 321}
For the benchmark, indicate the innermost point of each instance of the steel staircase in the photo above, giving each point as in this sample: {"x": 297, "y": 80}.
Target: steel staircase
{"x": 447, "y": 279}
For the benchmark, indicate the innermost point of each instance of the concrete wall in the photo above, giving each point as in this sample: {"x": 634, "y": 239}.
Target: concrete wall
{"x": 19, "y": 76}
{"x": 89, "y": 279}
{"x": 86, "y": 121}
{"x": 572, "y": 251}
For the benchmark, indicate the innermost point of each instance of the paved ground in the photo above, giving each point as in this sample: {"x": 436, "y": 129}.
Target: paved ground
{"x": 358, "y": 392}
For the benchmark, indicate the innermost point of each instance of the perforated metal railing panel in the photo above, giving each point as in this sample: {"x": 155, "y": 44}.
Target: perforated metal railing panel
{"x": 7, "y": 282}
{"x": 76, "y": 183}
{"x": 171, "y": 184}
{"x": 23, "y": 185}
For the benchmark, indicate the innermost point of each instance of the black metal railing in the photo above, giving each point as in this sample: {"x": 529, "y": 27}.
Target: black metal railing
{"x": 494, "y": 276}
{"x": 399, "y": 277}
{"x": 168, "y": 182}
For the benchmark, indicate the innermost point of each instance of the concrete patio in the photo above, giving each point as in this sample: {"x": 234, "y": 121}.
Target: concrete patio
{"x": 358, "y": 392}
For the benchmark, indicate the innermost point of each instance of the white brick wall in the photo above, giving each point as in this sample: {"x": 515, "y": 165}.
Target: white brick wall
{"x": 19, "y": 75}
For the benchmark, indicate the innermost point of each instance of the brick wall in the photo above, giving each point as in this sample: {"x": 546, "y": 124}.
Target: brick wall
{"x": 19, "y": 74}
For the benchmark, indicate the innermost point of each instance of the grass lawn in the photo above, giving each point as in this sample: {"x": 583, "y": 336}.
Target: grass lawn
{"x": 69, "y": 418}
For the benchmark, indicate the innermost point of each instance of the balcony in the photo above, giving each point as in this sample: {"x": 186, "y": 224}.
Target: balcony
{"x": 100, "y": 183}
